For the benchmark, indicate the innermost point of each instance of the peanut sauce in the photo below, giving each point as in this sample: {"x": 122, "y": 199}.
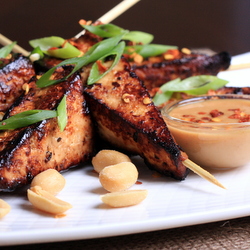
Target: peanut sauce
{"x": 213, "y": 133}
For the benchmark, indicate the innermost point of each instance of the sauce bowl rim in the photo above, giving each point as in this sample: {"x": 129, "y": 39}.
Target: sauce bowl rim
{"x": 208, "y": 125}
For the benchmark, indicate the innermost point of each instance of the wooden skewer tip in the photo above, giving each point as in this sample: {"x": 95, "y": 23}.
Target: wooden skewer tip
{"x": 113, "y": 13}
{"x": 6, "y": 41}
{"x": 202, "y": 172}
{"x": 238, "y": 66}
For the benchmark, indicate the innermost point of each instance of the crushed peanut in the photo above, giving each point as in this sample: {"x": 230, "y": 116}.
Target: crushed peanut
{"x": 9, "y": 56}
{"x": 186, "y": 51}
{"x": 26, "y": 88}
{"x": 168, "y": 56}
{"x": 84, "y": 22}
{"x": 1, "y": 115}
{"x": 146, "y": 100}
{"x": 216, "y": 119}
{"x": 138, "y": 58}
{"x": 127, "y": 97}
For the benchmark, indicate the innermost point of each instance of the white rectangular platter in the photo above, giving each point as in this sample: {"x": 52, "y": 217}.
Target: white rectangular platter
{"x": 169, "y": 203}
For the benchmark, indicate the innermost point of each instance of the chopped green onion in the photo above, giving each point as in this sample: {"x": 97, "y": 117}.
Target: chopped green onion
{"x": 110, "y": 30}
{"x": 62, "y": 117}
{"x": 46, "y": 43}
{"x": 93, "y": 54}
{"x": 212, "y": 82}
{"x": 95, "y": 74}
{"x": 36, "y": 54}
{"x": 29, "y": 117}
{"x": 139, "y": 37}
{"x": 5, "y": 51}
{"x": 104, "y": 30}
{"x": 194, "y": 85}
{"x": 26, "y": 118}
{"x": 56, "y": 46}
{"x": 148, "y": 50}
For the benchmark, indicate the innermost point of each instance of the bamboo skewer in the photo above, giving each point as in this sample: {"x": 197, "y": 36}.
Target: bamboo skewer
{"x": 113, "y": 13}
{"x": 202, "y": 172}
{"x": 6, "y": 41}
{"x": 117, "y": 10}
{"x": 239, "y": 66}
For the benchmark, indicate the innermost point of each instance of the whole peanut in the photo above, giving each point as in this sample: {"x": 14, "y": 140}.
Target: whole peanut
{"x": 49, "y": 180}
{"x": 124, "y": 198}
{"x": 118, "y": 177}
{"x": 106, "y": 158}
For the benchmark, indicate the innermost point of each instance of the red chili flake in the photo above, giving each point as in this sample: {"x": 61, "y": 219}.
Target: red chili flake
{"x": 234, "y": 116}
{"x": 138, "y": 182}
{"x": 101, "y": 67}
{"x": 216, "y": 113}
{"x": 192, "y": 119}
{"x": 245, "y": 119}
{"x": 206, "y": 118}
{"x": 201, "y": 113}
{"x": 53, "y": 48}
{"x": 199, "y": 121}
{"x": 188, "y": 116}
{"x": 173, "y": 52}
{"x": 235, "y": 110}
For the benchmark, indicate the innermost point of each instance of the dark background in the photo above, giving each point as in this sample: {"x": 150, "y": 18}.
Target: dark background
{"x": 215, "y": 24}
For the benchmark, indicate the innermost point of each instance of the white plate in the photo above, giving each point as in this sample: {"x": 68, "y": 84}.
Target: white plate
{"x": 169, "y": 204}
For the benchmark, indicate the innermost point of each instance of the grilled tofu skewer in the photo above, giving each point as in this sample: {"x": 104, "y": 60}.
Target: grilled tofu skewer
{"x": 126, "y": 117}
{"x": 27, "y": 151}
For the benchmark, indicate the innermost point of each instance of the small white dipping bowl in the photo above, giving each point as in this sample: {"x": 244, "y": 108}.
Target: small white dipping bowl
{"x": 212, "y": 143}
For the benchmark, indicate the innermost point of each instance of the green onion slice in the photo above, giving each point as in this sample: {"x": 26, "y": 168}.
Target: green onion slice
{"x": 38, "y": 51}
{"x": 62, "y": 117}
{"x": 139, "y": 37}
{"x": 26, "y": 118}
{"x": 194, "y": 85}
{"x": 55, "y": 46}
{"x": 93, "y": 54}
{"x": 95, "y": 74}
{"x": 29, "y": 117}
{"x": 5, "y": 51}
{"x": 110, "y": 30}
{"x": 148, "y": 50}
{"x": 104, "y": 30}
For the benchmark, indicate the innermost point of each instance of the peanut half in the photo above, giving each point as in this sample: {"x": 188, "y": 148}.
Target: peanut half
{"x": 49, "y": 180}
{"x": 106, "y": 158}
{"x": 118, "y": 177}
{"x": 4, "y": 208}
{"x": 47, "y": 202}
{"x": 124, "y": 198}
